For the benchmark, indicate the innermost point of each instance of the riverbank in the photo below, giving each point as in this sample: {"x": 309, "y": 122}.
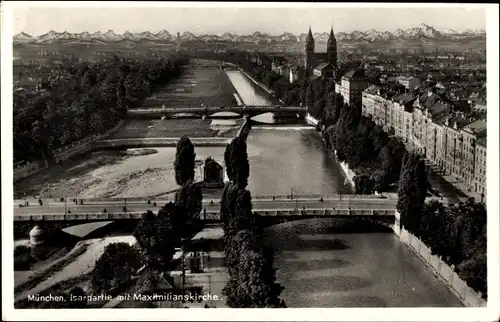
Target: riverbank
{"x": 176, "y": 128}
{"x": 196, "y": 86}
{"x": 440, "y": 269}
{"x": 65, "y": 153}
{"x": 348, "y": 173}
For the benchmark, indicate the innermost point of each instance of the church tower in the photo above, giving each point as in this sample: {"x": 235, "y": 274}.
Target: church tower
{"x": 309, "y": 59}
{"x": 331, "y": 49}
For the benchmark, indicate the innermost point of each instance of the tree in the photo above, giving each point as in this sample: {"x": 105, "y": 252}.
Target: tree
{"x": 239, "y": 210}
{"x": 239, "y": 162}
{"x": 86, "y": 101}
{"x": 115, "y": 267}
{"x": 189, "y": 202}
{"x": 474, "y": 272}
{"x": 363, "y": 185}
{"x": 228, "y": 161}
{"x": 309, "y": 98}
{"x": 253, "y": 284}
{"x": 184, "y": 163}
{"x": 157, "y": 236}
{"x": 319, "y": 107}
{"x": 147, "y": 282}
{"x": 404, "y": 188}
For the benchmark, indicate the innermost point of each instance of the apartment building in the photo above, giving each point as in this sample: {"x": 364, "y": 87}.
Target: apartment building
{"x": 429, "y": 113}
{"x": 352, "y": 86}
{"x": 368, "y": 100}
{"x": 472, "y": 133}
{"x": 429, "y": 125}
{"x": 401, "y": 120}
{"x": 479, "y": 184}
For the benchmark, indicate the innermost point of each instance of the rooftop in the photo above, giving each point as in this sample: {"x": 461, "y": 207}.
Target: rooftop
{"x": 438, "y": 110}
{"x": 372, "y": 90}
{"x": 458, "y": 121}
{"x": 481, "y": 141}
{"x": 403, "y": 99}
{"x": 355, "y": 73}
{"x": 323, "y": 66}
{"x": 477, "y": 127}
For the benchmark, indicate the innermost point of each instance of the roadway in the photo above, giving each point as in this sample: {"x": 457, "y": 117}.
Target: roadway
{"x": 135, "y": 206}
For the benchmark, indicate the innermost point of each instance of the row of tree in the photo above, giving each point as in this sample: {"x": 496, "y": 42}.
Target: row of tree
{"x": 375, "y": 157}
{"x": 157, "y": 235}
{"x": 252, "y": 276}
{"x": 82, "y": 100}
{"x": 456, "y": 232}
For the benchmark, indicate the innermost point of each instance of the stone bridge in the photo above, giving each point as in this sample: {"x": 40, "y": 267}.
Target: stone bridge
{"x": 207, "y": 112}
{"x": 156, "y": 142}
{"x": 271, "y": 216}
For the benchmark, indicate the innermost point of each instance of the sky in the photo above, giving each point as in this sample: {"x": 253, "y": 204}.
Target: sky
{"x": 242, "y": 20}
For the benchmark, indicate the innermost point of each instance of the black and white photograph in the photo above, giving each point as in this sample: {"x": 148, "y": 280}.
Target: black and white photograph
{"x": 213, "y": 155}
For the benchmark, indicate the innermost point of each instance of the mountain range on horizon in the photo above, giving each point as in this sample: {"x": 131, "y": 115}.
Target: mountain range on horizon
{"x": 420, "y": 32}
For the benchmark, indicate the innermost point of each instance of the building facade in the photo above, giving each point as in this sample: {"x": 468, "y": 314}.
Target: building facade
{"x": 428, "y": 124}
{"x": 352, "y": 85}
{"x": 480, "y": 167}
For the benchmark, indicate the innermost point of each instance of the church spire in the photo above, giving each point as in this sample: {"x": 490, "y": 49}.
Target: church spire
{"x": 332, "y": 36}
{"x": 331, "y": 48}
{"x": 310, "y": 38}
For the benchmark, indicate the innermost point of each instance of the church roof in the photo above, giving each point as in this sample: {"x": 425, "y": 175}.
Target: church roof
{"x": 310, "y": 37}
{"x": 331, "y": 38}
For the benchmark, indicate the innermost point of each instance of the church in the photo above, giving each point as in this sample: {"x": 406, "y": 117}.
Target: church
{"x": 320, "y": 65}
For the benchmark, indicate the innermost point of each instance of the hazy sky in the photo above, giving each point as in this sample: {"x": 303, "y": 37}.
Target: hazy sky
{"x": 215, "y": 20}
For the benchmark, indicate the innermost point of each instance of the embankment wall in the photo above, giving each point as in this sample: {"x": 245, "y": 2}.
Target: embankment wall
{"x": 443, "y": 271}
{"x": 66, "y": 152}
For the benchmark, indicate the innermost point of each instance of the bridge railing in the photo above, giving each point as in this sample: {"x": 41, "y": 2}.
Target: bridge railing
{"x": 209, "y": 215}
{"x": 70, "y": 201}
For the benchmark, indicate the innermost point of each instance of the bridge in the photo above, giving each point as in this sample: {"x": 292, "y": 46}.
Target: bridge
{"x": 119, "y": 209}
{"x": 157, "y": 142}
{"x": 213, "y": 216}
{"x": 206, "y": 112}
